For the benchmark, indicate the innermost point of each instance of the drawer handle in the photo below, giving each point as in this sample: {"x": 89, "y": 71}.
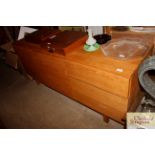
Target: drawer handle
{"x": 50, "y": 49}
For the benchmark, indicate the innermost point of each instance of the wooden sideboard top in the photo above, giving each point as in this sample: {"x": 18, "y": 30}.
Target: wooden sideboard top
{"x": 101, "y": 62}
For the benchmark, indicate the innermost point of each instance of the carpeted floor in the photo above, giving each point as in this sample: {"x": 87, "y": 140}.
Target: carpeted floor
{"x": 25, "y": 104}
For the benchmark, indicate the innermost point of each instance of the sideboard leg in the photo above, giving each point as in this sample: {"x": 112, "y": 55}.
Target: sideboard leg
{"x": 37, "y": 82}
{"x": 106, "y": 119}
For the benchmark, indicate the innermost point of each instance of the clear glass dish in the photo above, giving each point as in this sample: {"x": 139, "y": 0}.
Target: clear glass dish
{"x": 125, "y": 48}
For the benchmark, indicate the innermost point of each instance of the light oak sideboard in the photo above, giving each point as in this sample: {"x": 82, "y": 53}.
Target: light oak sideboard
{"x": 91, "y": 79}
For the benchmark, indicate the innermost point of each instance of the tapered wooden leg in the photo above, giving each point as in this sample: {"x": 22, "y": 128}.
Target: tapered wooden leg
{"x": 106, "y": 119}
{"x": 29, "y": 77}
{"x": 37, "y": 82}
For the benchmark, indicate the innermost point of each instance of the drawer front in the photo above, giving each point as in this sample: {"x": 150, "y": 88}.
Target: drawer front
{"x": 107, "y": 81}
{"x": 99, "y": 100}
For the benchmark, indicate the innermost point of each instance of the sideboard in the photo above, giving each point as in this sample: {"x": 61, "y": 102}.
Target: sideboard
{"x": 92, "y": 79}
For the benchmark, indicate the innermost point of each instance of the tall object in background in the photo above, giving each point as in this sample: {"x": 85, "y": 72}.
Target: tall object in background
{"x": 147, "y": 80}
{"x": 96, "y": 29}
{"x": 72, "y": 28}
{"x": 108, "y": 30}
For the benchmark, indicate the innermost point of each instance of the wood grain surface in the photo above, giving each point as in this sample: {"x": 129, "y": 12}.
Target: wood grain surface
{"x": 90, "y": 78}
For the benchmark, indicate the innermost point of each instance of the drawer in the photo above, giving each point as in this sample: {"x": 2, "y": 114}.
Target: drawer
{"x": 101, "y": 79}
{"x": 99, "y": 100}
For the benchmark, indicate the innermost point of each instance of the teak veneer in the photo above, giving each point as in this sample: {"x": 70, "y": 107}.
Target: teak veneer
{"x": 90, "y": 78}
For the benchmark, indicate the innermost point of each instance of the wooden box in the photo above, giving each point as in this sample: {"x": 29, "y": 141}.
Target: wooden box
{"x": 56, "y": 41}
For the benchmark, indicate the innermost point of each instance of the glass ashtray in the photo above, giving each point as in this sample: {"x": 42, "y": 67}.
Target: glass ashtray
{"x": 124, "y": 48}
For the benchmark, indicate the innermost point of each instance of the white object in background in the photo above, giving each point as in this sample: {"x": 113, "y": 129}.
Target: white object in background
{"x": 24, "y": 30}
{"x": 142, "y": 29}
{"x": 96, "y": 30}
{"x": 90, "y": 40}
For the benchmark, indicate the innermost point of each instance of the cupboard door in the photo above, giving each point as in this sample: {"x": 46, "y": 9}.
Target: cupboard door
{"x": 46, "y": 68}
